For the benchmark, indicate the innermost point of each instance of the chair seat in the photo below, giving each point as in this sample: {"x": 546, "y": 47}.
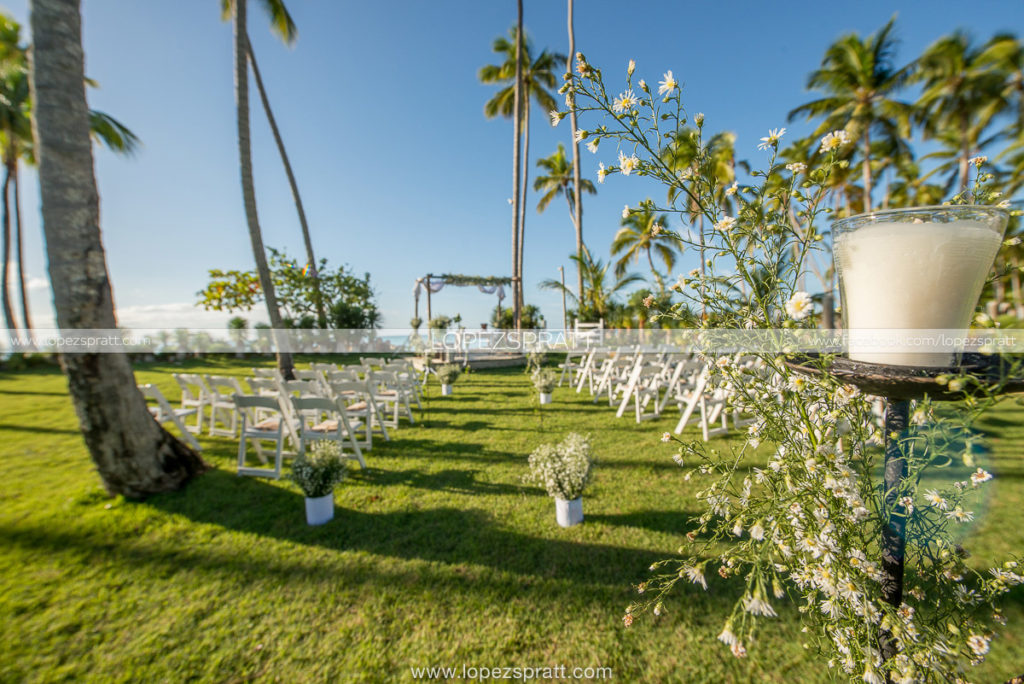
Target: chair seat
{"x": 387, "y": 393}
{"x": 268, "y": 424}
{"x": 326, "y": 426}
{"x": 358, "y": 406}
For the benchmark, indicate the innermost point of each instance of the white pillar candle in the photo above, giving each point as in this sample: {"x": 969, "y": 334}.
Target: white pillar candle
{"x": 920, "y": 275}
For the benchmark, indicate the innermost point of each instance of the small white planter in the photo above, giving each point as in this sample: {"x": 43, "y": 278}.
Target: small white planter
{"x": 545, "y": 397}
{"x": 446, "y": 390}
{"x": 319, "y": 509}
{"x": 569, "y": 513}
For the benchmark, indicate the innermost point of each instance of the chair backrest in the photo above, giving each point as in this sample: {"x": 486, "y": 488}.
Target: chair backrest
{"x": 247, "y": 401}
{"x": 349, "y": 392}
{"x": 154, "y": 393}
{"x": 308, "y": 375}
{"x": 303, "y": 404}
{"x": 188, "y": 381}
{"x": 343, "y": 375}
{"x": 262, "y": 386}
{"x": 266, "y": 373}
{"x": 323, "y": 367}
{"x": 223, "y": 385}
{"x": 302, "y": 388}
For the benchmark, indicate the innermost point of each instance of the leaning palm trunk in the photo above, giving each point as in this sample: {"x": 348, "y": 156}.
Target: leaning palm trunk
{"x": 526, "y": 187}
{"x": 5, "y": 291}
{"x": 19, "y": 248}
{"x": 517, "y": 117}
{"x": 318, "y": 298}
{"x": 133, "y": 454}
{"x": 284, "y": 358}
{"x": 577, "y": 191}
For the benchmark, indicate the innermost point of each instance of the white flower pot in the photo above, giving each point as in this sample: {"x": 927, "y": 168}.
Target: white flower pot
{"x": 545, "y": 397}
{"x": 319, "y": 509}
{"x": 446, "y": 390}
{"x": 569, "y": 513}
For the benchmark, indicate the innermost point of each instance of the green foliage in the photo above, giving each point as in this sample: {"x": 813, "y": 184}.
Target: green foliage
{"x": 319, "y": 469}
{"x": 531, "y": 318}
{"x": 415, "y": 322}
{"x": 440, "y": 322}
{"x": 349, "y": 299}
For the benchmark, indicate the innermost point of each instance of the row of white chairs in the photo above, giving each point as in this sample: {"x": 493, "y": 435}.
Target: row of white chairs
{"x": 651, "y": 379}
{"x": 347, "y": 405}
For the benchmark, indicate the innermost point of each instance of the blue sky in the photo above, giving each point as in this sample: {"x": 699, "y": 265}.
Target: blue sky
{"x": 382, "y": 113}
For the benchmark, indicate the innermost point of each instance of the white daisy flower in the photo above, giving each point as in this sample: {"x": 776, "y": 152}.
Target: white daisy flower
{"x": 834, "y": 140}
{"x": 592, "y": 145}
{"x": 627, "y": 164}
{"x": 772, "y": 139}
{"x": 667, "y": 84}
{"x": 625, "y": 102}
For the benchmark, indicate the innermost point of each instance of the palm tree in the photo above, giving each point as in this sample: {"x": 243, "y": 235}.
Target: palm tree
{"x": 537, "y": 77}
{"x": 134, "y": 456}
{"x": 559, "y": 180}
{"x": 962, "y": 94}
{"x": 318, "y": 298}
{"x": 643, "y": 233}
{"x": 859, "y": 78}
{"x": 1004, "y": 53}
{"x": 281, "y": 23}
{"x": 598, "y": 294}
{"x": 16, "y": 143}
{"x": 577, "y": 187}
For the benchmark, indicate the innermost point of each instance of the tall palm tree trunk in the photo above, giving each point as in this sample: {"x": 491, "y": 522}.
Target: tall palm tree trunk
{"x": 577, "y": 191}
{"x": 5, "y": 290}
{"x": 284, "y": 358}
{"x": 318, "y": 298}
{"x": 526, "y": 187}
{"x": 867, "y": 170}
{"x": 517, "y": 117}
{"x": 654, "y": 271}
{"x": 965, "y": 155}
{"x": 133, "y": 454}
{"x": 26, "y": 319}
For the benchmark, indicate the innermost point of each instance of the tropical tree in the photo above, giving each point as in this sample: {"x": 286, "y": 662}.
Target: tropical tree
{"x": 644, "y": 233}
{"x": 537, "y": 77}
{"x": 133, "y": 454}
{"x": 859, "y": 79}
{"x": 281, "y": 24}
{"x": 599, "y": 289}
{"x": 559, "y": 180}
{"x": 577, "y": 183}
{"x": 16, "y": 146}
{"x": 307, "y": 240}
{"x": 961, "y": 96}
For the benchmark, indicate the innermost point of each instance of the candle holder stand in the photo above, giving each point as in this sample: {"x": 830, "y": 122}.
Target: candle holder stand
{"x": 898, "y": 386}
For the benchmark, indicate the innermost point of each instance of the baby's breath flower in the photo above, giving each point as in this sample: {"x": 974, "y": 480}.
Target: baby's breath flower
{"x": 625, "y": 211}
{"x": 978, "y": 161}
{"x": 648, "y": 301}
{"x": 796, "y": 167}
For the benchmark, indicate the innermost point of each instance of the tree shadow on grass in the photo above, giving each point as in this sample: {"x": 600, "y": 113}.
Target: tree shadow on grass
{"x": 449, "y": 480}
{"x": 672, "y": 522}
{"x": 444, "y": 535}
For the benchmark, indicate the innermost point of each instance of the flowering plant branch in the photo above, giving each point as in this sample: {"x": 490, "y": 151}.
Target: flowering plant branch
{"x": 808, "y": 525}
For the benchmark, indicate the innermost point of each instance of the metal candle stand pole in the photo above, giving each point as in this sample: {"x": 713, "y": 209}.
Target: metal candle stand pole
{"x": 898, "y": 385}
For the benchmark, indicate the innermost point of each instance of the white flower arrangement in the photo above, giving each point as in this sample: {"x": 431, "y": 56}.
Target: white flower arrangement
{"x": 563, "y": 469}
{"x": 448, "y": 373}
{"x": 544, "y": 380}
{"x": 319, "y": 469}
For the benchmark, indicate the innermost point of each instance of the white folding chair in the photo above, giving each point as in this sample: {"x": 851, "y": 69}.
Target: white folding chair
{"x": 194, "y": 395}
{"x": 271, "y": 428}
{"x": 359, "y": 402}
{"x": 163, "y": 412}
{"x": 222, "y": 405}
{"x": 389, "y": 392}
{"x": 326, "y": 419}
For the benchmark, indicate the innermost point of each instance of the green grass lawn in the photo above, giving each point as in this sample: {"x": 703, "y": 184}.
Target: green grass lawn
{"x": 437, "y": 555}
